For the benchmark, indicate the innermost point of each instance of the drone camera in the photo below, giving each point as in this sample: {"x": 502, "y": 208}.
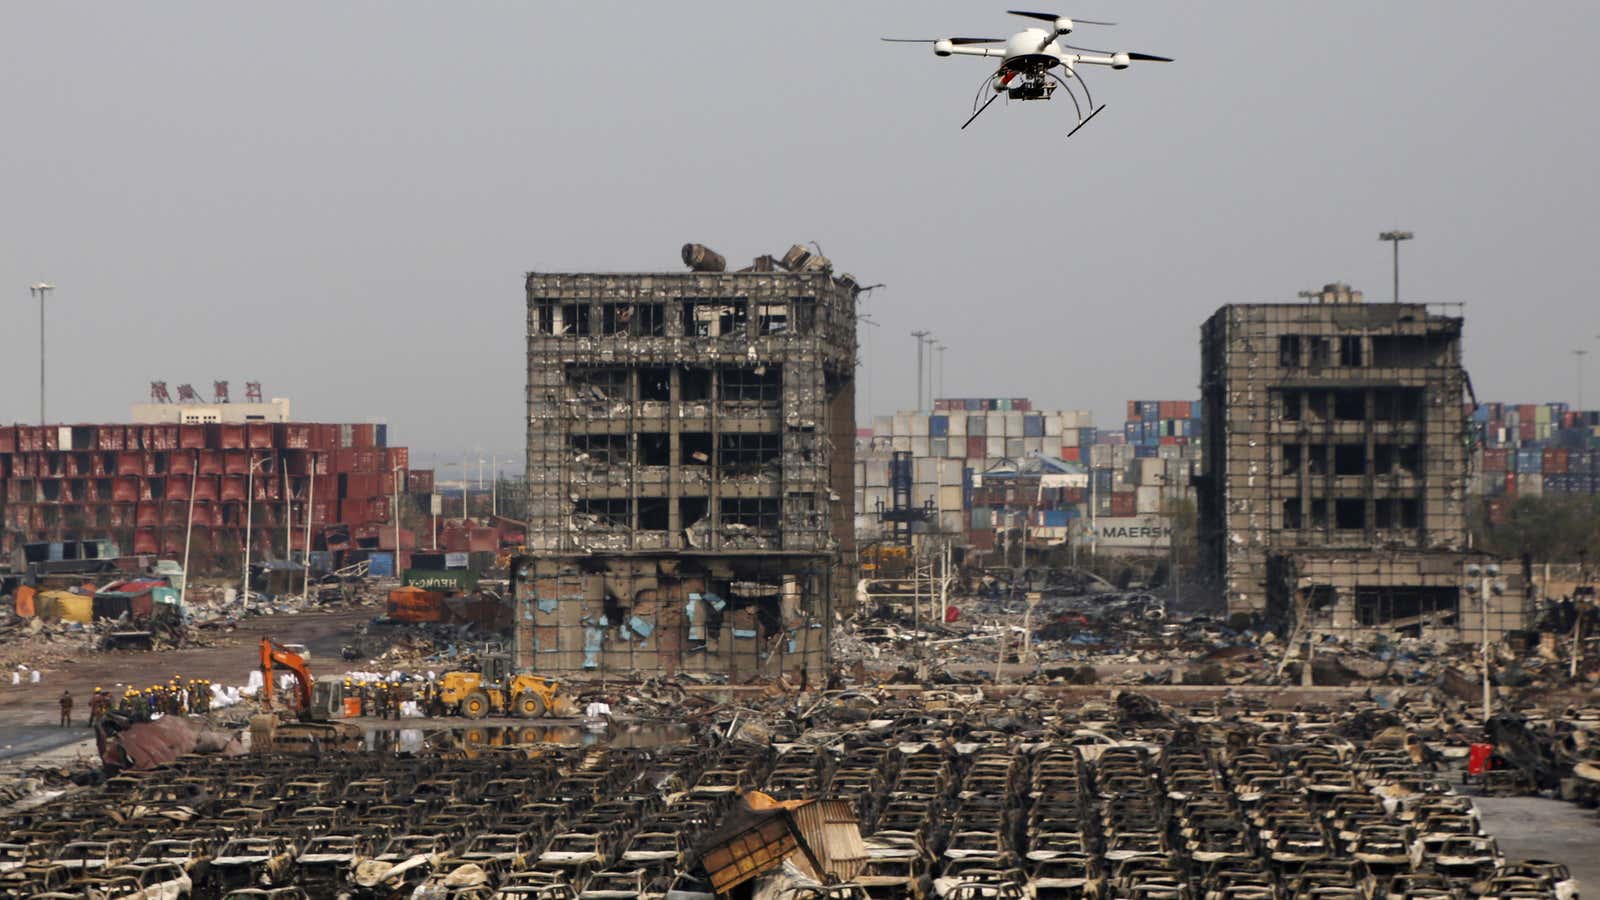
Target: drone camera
{"x": 1119, "y": 61}
{"x": 1063, "y": 25}
{"x": 942, "y": 48}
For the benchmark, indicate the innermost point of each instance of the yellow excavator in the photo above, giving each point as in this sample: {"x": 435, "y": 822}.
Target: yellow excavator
{"x": 495, "y": 691}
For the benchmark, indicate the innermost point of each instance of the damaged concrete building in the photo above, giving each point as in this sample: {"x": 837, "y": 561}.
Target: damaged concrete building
{"x": 1336, "y": 448}
{"x": 690, "y": 461}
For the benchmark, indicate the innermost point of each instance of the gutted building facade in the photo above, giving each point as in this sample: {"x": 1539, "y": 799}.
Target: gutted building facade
{"x": 1336, "y": 452}
{"x": 690, "y": 460}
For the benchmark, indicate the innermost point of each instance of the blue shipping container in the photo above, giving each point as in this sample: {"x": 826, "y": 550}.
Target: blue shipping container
{"x": 1149, "y": 409}
{"x": 1190, "y": 429}
{"x": 1088, "y": 437}
{"x": 1146, "y": 451}
{"x": 1133, "y": 432}
{"x": 938, "y": 426}
{"x": 1530, "y": 460}
{"x": 380, "y": 564}
{"x": 1055, "y": 518}
{"x": 382, "y": 436}
{"x": 1194, "y": 409}
{"x": 1033, "y": 426}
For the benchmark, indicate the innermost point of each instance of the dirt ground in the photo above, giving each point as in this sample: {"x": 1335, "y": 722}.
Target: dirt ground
{"x": 27, "y": 707}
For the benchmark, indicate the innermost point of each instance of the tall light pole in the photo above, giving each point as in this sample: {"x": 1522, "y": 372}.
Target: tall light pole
{"x": 920, "y": 336}
{"x": 249, "y": 509}
{"x": 940, "y": 350}
{"x": 40, "y": 289}
{"x": 1483, "y": 587}
{"x": 1579, "y": 355}
{"x": 394, "y": 488}
{"x": 1395, "y": 237}
{"x": 930, "y": 342}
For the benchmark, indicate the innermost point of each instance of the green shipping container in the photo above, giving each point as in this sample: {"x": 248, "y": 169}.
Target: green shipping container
{"x": 460, "y": 581}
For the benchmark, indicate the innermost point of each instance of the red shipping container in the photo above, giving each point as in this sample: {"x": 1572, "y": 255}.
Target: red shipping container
{"x": 146, "y": 541}
{"x": 148, "y": 514}
{"x": 236, "y": 462}
{"x": 1123, "y": 503}
{"x": 1494, "y": 460}
{"x": 1511, "y": 484}
{"x": 211, "y": 462}
{"x": 259, "y": 435}
{"x": 177, "y": 488}
{"x": 205, "y": 488}
{"x": 130, "y": 464}
{"x": 396, "y": 456}
{"x": 124, "y": 489}
{"x": 1071, "y": 454}
{"x": 180, "y": 464}
{"x": 267, "y": 489}
{"x": 1555, "y": 461}
{"x": 231, "y": 437}
{"x": 1526, "y": 430}
{"x": 363, "y": 435}
{"x": 976, "y": 447}
{"x": 175, "y": 512}
{"x": 419, "y": 481}
{"x": 233, "y": 487}
{"x": 980, "y": 539}
{"x": 297, "y": 437}
{"x": 191, "y": 437}
{"x": 8, "y": 439}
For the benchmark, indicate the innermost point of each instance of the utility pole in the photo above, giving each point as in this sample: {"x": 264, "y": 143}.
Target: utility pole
{"x": 249, "y": 509}
{"x": 40, "y": 289}
{"x": 395, "y": 487}
{"x": 1579, "y": 355}
{"x": 1395, "y": 237}
{"x": 941, "y": 348}
{"x": 930, "y": 342}
{"x": 920, "y": 336}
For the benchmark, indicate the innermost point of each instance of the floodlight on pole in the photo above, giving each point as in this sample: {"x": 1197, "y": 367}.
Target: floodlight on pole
{"x": 1579, "y": 355}
{"x": 920, "y": 336}
{"x": 1395, "y": 237}
{"x": 40, "y": 289}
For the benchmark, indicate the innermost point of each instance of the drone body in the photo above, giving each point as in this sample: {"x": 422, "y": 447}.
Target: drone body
{"x": 1029, "y": 58}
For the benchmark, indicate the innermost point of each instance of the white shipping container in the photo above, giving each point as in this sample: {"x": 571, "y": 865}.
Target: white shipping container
{"x": 902, "y": 443}
{"x": 951, "y": 521}
{"x": 919, "y": 446}
{"x": 994, "y": 447}
{"x": 1014, "y": 447}
{"x": 1032, "y": 446}
{"x": 1069, "y": 420}
{"x": 1147, "y": 500}
{"x": 877, "y": 473}
{"x": 924, "y": 470}
{"x": 882, "y": 426}
{"x": 995, "y": 423}
{"x": 1052, "y": 425}
{"x": 938, "y": 447}
{"x": 1100, "y": 456}
{"x": 902, "y": 424}
{"x": 958, "y": 424}
{"x": 919, "y": 425}
{"x": 1530, "y": 484}
{"x": 1169, "y": 451}
{"x": 1147, "y": 471}
{"x": 950, "y": 497}
{"x": 924, "y": 494}
{"x": 870, "y": 498}
{"x": 1013, "y": 424}
{"x": 950, "y": 471}
{"x": 1069, "y": 437}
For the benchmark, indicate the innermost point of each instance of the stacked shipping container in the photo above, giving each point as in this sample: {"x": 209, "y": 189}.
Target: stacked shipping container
{"x": 1529, "y": 450}
{"x": 135, "y": 482}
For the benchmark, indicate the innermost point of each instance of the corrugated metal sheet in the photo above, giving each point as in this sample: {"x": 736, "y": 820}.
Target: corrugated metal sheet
{"x": 830, "y": 829}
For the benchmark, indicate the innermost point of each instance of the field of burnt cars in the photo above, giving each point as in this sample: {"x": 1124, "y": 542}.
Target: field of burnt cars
{"x": 955, "y": 798}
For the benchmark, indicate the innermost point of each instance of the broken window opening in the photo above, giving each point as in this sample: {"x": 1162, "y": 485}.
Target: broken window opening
{"x": 1350, "y": 459}
{"x": 600, "y": 384}
{"x": 654, "y": 513}
{"x": 1384, "y": 513}
{"x": 1320, "y": 355}
{"x": 692, "y": 510}
{"x": 600, "y": 449}
{"x": 805, "y": 314}
{"x": 1408, "y": 459}
{"x": 545, "y": 316}
{"x": 694, "y": 385}
{"x": 1289, "y": 351}
{"x": 743, "y": 384}
{"x": 1319, "y": 513}
{"x": 1350, "y": 350}
{"x": 655, "y": 384}
{"x": 760, "y": 513}
{"x": 1406, "y": 606}
{"x": 722, "y": 317}
{"x": 1400, "y": 351}
{"x": 1317, "y": 459}
{"x": 1291, "y": 514}
{"x": 615, "y": 318}
{"x": 694, "y": 448}
{"x": 1290, "y": 402}
{"x": 1317, "y": 406}
{"x": 574, "y": 319}
{"x": 1291, "y": 459}
{"x": 1397, "y": 405}
{"x": 649, "y": 320}
{"x": 1350, "y": 406}
{"x": 772, "y": 318}
{"x": 1350, "y": 514}
{"x": 615, "y": 513}
{"x": 748, "y": 454}
{"x": 655, "y": 448}
{"x": 1410, "y": 513}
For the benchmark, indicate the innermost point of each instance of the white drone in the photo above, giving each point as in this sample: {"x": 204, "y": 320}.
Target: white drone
{"x": 1028, "y": 61}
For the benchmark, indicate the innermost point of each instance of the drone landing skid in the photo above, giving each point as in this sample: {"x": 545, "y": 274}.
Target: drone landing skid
{"x": 1086, "y": 121}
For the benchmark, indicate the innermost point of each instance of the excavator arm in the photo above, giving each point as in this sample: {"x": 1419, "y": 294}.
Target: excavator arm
{"x": 275, "y": 655}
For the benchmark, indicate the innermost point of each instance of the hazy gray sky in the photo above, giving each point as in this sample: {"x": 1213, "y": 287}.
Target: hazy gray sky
{"x": 339, "y": 200}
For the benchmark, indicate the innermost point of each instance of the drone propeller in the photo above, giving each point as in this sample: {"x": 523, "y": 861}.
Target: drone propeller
{"x": 955, "y": 40}
{"x": 1051, "y": 17}
{"x": 1140, "y": 57}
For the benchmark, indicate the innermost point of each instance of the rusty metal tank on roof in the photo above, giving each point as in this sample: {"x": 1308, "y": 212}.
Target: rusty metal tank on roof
{"x": 701, "y": 258}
